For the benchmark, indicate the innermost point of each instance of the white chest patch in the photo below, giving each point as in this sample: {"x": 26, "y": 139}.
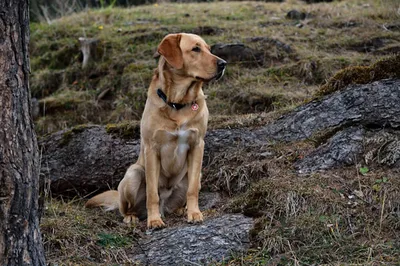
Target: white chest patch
{"x": 183, "y": 136}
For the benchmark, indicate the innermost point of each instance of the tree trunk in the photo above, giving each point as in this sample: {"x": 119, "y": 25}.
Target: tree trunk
{"x": 20, "y": 238}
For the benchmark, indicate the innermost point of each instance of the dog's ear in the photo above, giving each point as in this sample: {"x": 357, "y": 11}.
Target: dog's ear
{"x": 170, "y": 49}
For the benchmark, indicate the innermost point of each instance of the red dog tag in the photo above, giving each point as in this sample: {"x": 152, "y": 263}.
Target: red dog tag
{"x": 195, "y": 106}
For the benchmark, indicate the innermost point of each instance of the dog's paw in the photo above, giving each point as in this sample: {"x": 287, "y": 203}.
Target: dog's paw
{"x": 195, "y": 217}
{"x": 130, "y": 219}
{"x": 179, "y": 211}
{"x": 155, "y": 223}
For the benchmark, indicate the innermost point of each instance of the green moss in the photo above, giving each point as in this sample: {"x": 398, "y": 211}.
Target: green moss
{"x": 127, "y": 130}
{"x": 133, "y": 67}
{"x": 66, "y": 138}
{"x": 323, "y": 136}
{"x": 67, "y": 135}
{"x": 383, "y": 69}
{"x": 56, "y": 58}
{"x": 65, "y": 100}
{"x": 45, "y": 82}
{"x": 113, "y": 241}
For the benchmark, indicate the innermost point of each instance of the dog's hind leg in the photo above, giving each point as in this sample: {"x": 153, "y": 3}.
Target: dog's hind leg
{"x": 132, "y": 192}
{"x": 176, "y": 202}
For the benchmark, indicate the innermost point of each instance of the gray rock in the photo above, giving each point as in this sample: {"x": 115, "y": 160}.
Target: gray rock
{"x": 344, "y": 148}
{"x": 85, "y": 160}
{"x": 237, "y": 52}
{"x": 209, "y": 200}
{"x": 213, "y": 241}
{"x": 295, "y": 14}
{"x": 374, "y": 104}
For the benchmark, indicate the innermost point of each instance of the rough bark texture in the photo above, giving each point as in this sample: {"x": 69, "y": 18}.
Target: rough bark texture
{"x": 20, "y": 238}
{"x": 86, "y": 159}
{"x": 215, "y": 240}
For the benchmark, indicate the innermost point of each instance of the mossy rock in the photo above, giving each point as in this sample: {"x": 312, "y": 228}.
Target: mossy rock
{"x": 127, "y": 130}
{"x": 383, "y": 69}
{"x": 67, "y": 136}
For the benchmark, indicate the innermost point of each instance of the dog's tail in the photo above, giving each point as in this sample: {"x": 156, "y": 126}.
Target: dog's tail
{"x": 109, "y": 200}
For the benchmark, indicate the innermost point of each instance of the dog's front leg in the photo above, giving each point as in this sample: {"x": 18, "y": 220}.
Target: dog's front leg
{"x": 152, "y": 169}
{"x": 195, "y": 160}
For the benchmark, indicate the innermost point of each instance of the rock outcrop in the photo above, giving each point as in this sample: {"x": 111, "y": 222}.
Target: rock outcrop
{"x": 88, "y": 159}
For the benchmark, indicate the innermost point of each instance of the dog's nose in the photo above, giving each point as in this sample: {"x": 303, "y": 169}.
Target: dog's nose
{"x": 221, "y": 64}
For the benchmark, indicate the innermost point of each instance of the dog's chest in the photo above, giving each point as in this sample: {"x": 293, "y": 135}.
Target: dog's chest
{"x": 174, "y": 148}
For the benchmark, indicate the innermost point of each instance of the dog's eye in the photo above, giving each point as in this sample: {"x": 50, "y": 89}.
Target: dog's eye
{"x": 196, "y": 49}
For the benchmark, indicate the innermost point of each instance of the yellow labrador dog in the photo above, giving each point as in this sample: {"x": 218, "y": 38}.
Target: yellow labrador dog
{"x": 167, "y": 173}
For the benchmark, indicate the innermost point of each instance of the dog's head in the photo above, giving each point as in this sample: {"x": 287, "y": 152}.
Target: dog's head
{"x": 191, "y": 55}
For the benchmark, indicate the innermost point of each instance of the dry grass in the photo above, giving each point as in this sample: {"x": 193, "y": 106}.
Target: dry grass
{"x": 332, "y": 37}
{"x": 337, "y": 217}
{"x": 345, "y": 216}
{"x": 73, "y": 235}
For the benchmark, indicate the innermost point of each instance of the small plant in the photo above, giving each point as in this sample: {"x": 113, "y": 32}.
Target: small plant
{"x": 110, "y": 240}
{"x": 364, "y": 170}
{"x": 379, "y": 183}
{"x": 381, "y": 180}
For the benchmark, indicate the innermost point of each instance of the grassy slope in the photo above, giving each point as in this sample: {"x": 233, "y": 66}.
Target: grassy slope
{"x": 128, "y": 38}
{"x": 301, "y": 220}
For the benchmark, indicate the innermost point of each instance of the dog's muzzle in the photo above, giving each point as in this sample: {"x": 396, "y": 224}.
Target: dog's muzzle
{"x": 221, "y": 66}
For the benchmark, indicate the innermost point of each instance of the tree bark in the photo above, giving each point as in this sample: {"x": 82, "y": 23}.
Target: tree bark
{"x": 20, "y": 238}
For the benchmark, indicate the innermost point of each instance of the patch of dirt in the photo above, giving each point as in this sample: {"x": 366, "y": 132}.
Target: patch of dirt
{"x": 369, "y": 45}
{"x": 207, "y": 30}
{"x": 265, "y": 40}
{"x": 147, "y": 37}
{"x": 388, "y": 50}
{"x": 346, "y": 24}
{"x": 248, "y": 102}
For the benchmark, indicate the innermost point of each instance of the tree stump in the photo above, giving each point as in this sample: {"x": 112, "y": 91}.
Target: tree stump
{"x": 89, "y": 50}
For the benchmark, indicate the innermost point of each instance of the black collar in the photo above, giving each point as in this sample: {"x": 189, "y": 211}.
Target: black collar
{"x": 176, "y": 106}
